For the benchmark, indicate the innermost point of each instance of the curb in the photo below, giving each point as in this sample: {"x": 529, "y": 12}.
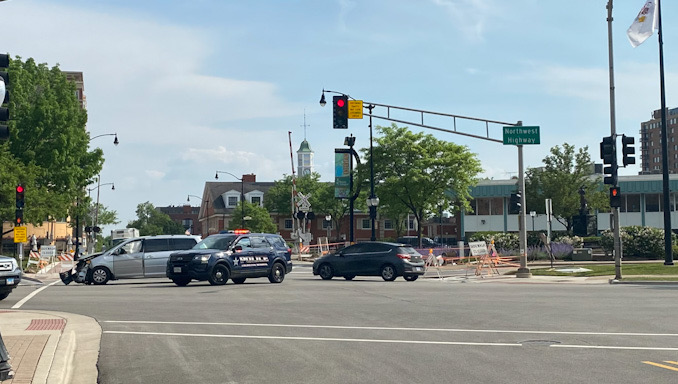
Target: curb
{"x": 648, "y": 282}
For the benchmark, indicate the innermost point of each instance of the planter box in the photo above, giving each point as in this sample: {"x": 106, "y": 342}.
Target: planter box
{"x": 582, "y": 254}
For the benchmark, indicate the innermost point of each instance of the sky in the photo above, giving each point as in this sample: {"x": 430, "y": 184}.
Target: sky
{"x": 192, "y": 87}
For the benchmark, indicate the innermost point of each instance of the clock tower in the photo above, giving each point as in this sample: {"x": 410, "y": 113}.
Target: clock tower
{"x": 304, "y": 159}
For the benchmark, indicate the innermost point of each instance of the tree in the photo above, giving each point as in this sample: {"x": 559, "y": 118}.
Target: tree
{"x": 48, "y": 148}
{"x": 419, "y": 173}
{"x": 323, "y": 202}
{"x": 154, "y": 222}
{"x": 259, "y": 219}
{"x": 565, "y": 171}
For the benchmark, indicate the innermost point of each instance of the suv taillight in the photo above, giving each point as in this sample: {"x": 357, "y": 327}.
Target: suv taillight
{"x": 404, "y": 256}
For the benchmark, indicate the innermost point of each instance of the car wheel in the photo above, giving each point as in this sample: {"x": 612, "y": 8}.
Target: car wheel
{"x": 219, "y": 275}
{"x": 277, "y": 274}
{"x": 349, "y": 277}
{"x": 411, "y": 277}
{"x": 239, "y": 280}
{"x": 388, "y": 272}
{"x": 4, "y": 295}
{"x": 100, "y": 276}
{"x": 181, "y": 281}
{"x": 325, "y": 271}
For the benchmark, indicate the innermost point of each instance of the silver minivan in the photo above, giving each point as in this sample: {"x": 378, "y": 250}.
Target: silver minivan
{"x": 135, "y": 258}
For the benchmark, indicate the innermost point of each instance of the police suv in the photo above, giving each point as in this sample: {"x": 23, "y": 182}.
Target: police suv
{"x": 236, "y": 256}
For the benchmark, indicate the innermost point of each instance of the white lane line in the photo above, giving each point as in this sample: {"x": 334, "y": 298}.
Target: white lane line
{"x": 29, "y": 296}
{"x": 313, "y": 338}
{"x": 394, "y": 328}
{"x": 613, "y": 347}
{"x": 299, "y": 338}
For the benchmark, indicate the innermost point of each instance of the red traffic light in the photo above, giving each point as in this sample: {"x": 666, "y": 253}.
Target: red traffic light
{"x": 19, "y": 189}
{"x": 340, "y": 103}
{"x": 614, "y": 192}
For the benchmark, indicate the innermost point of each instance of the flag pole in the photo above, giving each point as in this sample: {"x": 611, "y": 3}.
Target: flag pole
{"x": 665, "y": 157}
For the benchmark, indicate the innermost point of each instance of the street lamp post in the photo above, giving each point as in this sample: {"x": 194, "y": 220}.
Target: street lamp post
{"x": 532, "y": 215}
{"x": 96, "y": 207}
{"x": 372, "y": 203}
{"x": 77, "y": 202}
{"x": 242, "y": 195}
{"x": 115, "y": 141}
{"x": 328, "y": 220}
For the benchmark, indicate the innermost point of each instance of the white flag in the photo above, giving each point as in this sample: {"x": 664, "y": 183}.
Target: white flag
{"x": 644, "y": 24}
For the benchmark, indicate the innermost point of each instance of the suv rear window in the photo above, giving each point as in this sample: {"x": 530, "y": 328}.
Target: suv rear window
{"x": 277, "y": 241}
{"x": 182, "y": 244}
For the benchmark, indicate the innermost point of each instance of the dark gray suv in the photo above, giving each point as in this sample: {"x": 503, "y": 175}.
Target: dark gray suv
{"x": 388, "y": 260}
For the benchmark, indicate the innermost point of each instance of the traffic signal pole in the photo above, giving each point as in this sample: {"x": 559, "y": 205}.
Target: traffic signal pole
{"x": 613, "y": 133}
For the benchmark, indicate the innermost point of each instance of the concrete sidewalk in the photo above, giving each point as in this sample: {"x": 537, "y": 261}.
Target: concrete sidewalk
{"x": 50, "y": 347}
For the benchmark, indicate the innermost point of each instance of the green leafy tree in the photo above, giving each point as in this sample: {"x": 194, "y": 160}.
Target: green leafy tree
{"x": 151, "y": 221}
{"x": 327, "y": 204}
{"x": 258, "y": 219}
{"x": 48, "y": 148}
{"x": 323, "y": 202}
{"x": 420, "y": 173}
{"x": 565, "y": 172}
{"x": 279, "y": 196}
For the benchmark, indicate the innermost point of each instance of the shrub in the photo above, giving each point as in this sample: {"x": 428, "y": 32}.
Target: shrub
{"x": 637, "y": 241}
{"x": 505, "y": 243}
{"x": 574, "y": 241}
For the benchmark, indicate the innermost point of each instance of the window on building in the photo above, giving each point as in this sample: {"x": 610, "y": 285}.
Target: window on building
{"x": 483, "y": 206}
{"x": 652, "y": 202}
{"x": 187, "y": 223}
{"x": 256, "y": 200}
{"x": 473, "y": 204}
{"x": 288, "y": 223}
{"x": 365, "y": 224}
{"x": 326, "y": 224}
{"x": 232, "y": 201}
{"x": 632, "y": 203}
{"x": 497, "y": 206}
{"x": 388, "y": 224}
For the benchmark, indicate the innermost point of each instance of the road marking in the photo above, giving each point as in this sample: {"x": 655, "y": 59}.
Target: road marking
{"x": 614, "y": 347}
{"x": 301, "y": 338}
{"x": 662, "y": 365}
{"x": 29, "y": 296}
{"x": 395, "y": 328}
{"x": 312, "y": 338}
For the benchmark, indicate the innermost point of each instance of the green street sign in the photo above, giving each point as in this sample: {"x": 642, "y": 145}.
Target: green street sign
{"x": 521, "y": 135}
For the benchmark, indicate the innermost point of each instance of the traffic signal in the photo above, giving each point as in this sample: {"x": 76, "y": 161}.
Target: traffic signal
{"x": 514, "y": 203}
{"x": 628, "y": 150}
{"x": 615, "y": 197}
{"x": 4, "y": 96}
{"x": 608, "y": 153}
{"x": 19, "y": 216}
{"x": 340, "y": 112}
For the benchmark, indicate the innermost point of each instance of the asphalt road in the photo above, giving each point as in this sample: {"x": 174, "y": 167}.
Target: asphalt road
{"x": 306, "y": 330}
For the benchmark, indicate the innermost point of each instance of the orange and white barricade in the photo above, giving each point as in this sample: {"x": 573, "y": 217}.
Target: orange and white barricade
{"x": 66, "y": 258}
{"x": 33, "y": 261}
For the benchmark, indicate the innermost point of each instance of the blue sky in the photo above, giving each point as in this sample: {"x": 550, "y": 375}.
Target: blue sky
{"x": 192, "y": 87}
